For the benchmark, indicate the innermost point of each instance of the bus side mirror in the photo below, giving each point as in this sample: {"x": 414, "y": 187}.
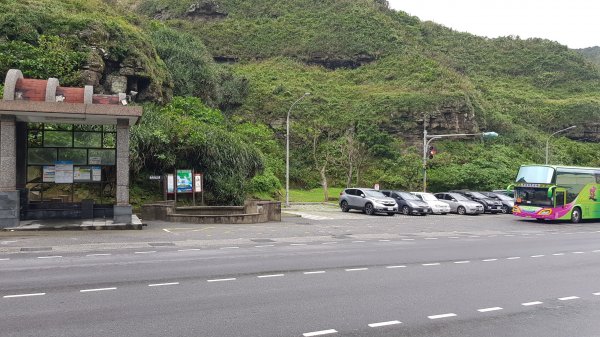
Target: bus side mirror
{"x": 551, "y": 191}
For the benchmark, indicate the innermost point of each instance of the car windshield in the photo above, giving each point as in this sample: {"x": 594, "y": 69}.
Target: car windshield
{"x": 374, "y": 194}
{"x": 428, "y": 197}
{"x": 503, "y": 197}
{"x": 479, "y": 195}
{"x": 459, "y": 197}
{"x": 408, "y": 196}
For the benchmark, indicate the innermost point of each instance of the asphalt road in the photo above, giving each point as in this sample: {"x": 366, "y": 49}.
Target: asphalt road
{"x": 348, "y": 276}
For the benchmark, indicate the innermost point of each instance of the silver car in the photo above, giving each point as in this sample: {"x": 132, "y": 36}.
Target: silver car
{"x": 460, "y": 204}
{"x": 437, "y": 206}
{"x": 367, "y": 200}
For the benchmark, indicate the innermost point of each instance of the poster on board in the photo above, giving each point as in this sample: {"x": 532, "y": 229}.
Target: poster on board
{"x": 63, "y": 172}
{"x": 170, "y": 183}
{"x": 96, "y": 173}
{"x": 82, "y": 173}
{"x": 198, "y": 182}
{"x": 184, "y": 181}
{"x": 48, "y": 174}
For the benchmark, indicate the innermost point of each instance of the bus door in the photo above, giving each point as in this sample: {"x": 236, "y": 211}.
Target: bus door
{"x": 560, "y": 197}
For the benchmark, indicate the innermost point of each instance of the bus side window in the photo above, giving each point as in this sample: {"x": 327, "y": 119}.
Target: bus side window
{"x": 560, "y": 198}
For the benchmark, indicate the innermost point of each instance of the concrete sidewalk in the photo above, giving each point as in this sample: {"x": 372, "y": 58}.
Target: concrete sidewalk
{"x": 75, "y": 224}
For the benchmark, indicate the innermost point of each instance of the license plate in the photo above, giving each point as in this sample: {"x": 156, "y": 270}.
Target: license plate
{"x": 390, "y": 208}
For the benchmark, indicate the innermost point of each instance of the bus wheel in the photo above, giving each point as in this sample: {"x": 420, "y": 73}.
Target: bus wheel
{"x": 576, "y": 215}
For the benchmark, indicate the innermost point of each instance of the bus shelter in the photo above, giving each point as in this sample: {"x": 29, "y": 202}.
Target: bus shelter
{"x": 64, "y": 152}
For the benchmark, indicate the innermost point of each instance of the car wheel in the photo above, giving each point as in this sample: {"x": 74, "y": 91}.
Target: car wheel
{"x": 505, "y": 209}
{"x": 576, "y": 215}
{"x": 391, "y": 214}
{"x": 405, "y": 210}
{"x": 369, "y": 209}
{"x": 344, "y": 206}
{"x": 461, "y": 210}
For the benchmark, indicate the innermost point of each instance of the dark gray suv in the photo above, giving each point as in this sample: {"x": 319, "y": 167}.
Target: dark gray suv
{"x": 367, "y": 200}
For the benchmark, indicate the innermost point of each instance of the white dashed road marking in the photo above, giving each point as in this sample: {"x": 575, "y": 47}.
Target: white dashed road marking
{"x": 442, "y": 316}
{"x": 230, "y": 247}
{"x": 462, "y": 262}
{"x": 527, "y": 304}
{"x": 558, "y": 254}
{"x": 163, "y": 284}
{"x": 431, "y": 264}
{"x": 188, "y": 250}
{"x": 50, "y": 257}
{"x": 319, "y": 333}
{"x": 568, "y": 298}
{"x": 272, "y": 275}
{"x": 24, "y": 295}
{"x": 357, "y": 269}
{"x": 489, "y": 260}
{"x": 98, "y": 255}
{"x": 513, "y": 258}
{"x": 146, "y": 252}
{"x": 534, "y": 256}
{"x": 97, "y": 289}
{"x": 376, "y": 325}
{"x": 222, "y": 279}
{"x": 393, "y": 267}
{"x": 4, "y": 259}
{"x": 489, "y": 309}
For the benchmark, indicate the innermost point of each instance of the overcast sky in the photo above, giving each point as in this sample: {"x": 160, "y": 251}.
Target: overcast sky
{"x": 575, "y": 23}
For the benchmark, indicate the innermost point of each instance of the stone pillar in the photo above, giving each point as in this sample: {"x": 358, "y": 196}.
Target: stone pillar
{"x": 9, "y": 196}
{"x": 122, "y": 210}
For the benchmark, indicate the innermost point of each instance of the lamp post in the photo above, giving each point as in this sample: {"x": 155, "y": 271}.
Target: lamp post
{"x": 559, "y": 131}
{"x": 287, "y": 151}
{"x": 427, "y": 139}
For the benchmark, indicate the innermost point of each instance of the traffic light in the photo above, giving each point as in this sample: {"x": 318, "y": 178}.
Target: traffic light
{"x": 432, "y": 151}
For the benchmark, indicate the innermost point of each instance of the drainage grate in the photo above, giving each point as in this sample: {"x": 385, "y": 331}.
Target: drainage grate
{"x": 262, "y": 240}
{"x": 36, "y": 249}
{"x": 161, "y": 244}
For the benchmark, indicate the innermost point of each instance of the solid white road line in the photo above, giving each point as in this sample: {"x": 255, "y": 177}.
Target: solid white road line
{"x": 527, "y": 304}
{"x": 97, "y": 289}
{"x": 24, "y": 295}
{"x": 489, "y": 309}
{"x": 163, "y": 284}
{"x": 222, "y": 279}
{"x": 534, "y": 256}
{"x": 98, "y": 255}
{"x": 442, "y": 316}
{"x": 50, "y": 257}
{"x": 568, "y": 298}
{"x": 376, "y": 325}
{"x": 489, "y": 260}
{"x": 319, "y": 333}
{"x": 357, "y": 269}
{"x": 271, "y": 275}
{"x": 431, "y": 264}
{"x": 393, "y": 267}
{"x": 462, "y": 262}
{"x": 314, "y": 272}
{"x": 146, "y": 252}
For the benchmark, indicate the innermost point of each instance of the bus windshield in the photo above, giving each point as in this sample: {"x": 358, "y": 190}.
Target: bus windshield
{"x": 535, "y": 174}
{"x": 533, "y": 196}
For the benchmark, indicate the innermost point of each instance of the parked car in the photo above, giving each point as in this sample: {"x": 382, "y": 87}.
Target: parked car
{"x": 367, "y": 200}
{"x": 459, "y": 203}
{"x": 437, "y": 206}
{"x": 509, "y": 193}
{"x": 489, "y": 205}
{"x": 507, "y": 202}
{"x": 408, "y": 203}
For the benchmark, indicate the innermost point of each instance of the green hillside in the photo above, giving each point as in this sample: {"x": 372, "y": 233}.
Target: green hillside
{"x": 374, "y": 75}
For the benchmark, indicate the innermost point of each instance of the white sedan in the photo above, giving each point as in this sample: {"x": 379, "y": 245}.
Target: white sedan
{"x": 437, "y": 206}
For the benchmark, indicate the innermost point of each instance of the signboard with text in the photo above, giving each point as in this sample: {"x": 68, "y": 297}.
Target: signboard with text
{"x": 198, "y": 182}
{"x": 48, "y": 174}
{"x": 63, "y": 172}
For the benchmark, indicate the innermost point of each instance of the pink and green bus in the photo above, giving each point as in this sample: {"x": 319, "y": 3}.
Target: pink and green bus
{"x": 550, "y": 192}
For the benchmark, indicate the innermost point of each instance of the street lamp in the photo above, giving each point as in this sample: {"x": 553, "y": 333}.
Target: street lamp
{"x": 287, "y": 151}
{"x": 559, "y": 131}
{"x": 427, "y": 139}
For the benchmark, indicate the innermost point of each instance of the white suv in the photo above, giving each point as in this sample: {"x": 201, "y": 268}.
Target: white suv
{"x": 367, "y": 200}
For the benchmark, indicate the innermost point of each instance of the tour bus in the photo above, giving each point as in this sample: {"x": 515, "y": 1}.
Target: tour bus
{"x": 549, "y": 192}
